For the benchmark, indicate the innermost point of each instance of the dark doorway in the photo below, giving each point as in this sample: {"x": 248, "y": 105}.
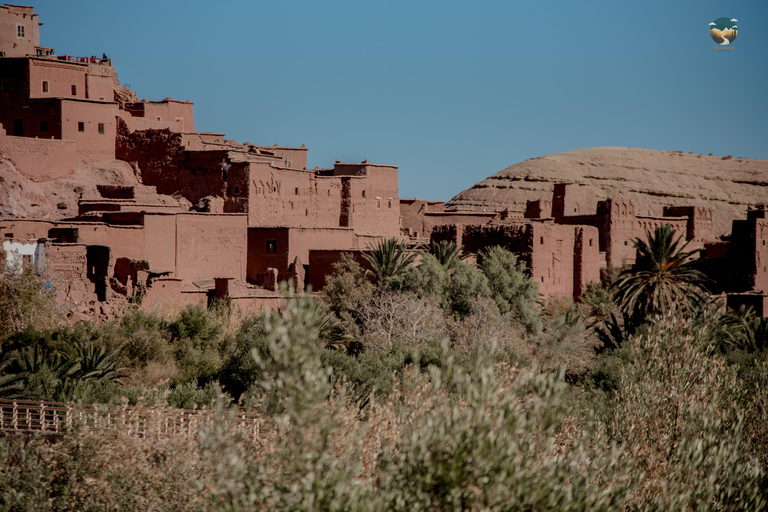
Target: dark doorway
{"x": 97, "y": 257}
{"x": 18, "y": 127}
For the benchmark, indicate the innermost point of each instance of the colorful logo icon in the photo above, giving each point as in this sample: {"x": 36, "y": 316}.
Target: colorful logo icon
{"x": 723, "y": 30}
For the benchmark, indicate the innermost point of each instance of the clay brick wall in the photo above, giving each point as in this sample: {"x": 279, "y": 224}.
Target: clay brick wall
{"x": 67, "y": 261}
{"x": 160, "y": 242}
{"x": 25, "y": 229}
{"x": 289, "y": 244}
{"x": 418, "y": 218}
{"x": 91, "y": 144}
{"x": 60, "y": 77}
{"x": 293, "y": 158}
{"x": 10, "y": 43}
{"x": 267, "y": 248}
{"x": 158, "y": 153}
{"x": 700, "y": 225}
{"x": 99, "y": 88}
{"x": 41, "y": 118}
{"x": 39, "y": 159}
{"x": 177, "y": 116}
{"x": 587, "y": 261}
{"x": 211, "y": 245}
{"x": 571, "y": 199}
{"x": 375, "y": 206}
{"x": 552, "y": 258}
{"x": 287, "y": 197}
{"x": 538, "y": 209}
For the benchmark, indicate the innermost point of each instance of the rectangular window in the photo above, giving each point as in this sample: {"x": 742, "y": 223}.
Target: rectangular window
{"x": 43, "y": 126}
{"x": 45, "y": 86}
{"x": 296, "y": 191}
{"x": 237, "y": 190}
{"x": 74, "y": 90}
{"x": 389, "y": 203}
{"x": 101, "y": 128}
{"x": 20, "y": 31}
{"x": 287, "y": 162}
{"x": 378, "y": 203}
{"x": 590, "y": 242}
{"x": 271, "y": 246}
{"x": 81, "y": 126}
{"x": 258, "y": 190}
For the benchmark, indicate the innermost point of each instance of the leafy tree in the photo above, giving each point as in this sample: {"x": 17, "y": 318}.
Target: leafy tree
{"x": 662, "y": 278}
{"x": 467, "y": 284}
{"x": 430, "y": 278}
{"x": 390, "y": 260}
{"x": 511, "y": 288}
{"x": 26, "y": 300}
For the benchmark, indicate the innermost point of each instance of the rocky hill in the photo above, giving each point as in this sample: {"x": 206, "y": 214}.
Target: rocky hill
{"x": 652, "y": 179}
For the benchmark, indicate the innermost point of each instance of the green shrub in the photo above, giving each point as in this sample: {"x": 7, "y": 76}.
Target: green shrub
{"x": 467, "y": 284}
{"x": 514, "y": 292}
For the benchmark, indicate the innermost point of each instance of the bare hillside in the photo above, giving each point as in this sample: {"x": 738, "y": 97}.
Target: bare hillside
{"x": 650, "y": 178}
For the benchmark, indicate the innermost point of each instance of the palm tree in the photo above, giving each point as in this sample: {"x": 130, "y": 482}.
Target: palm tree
{"x": 662, "y": 278}
{"x": 389, "y": 259}
{"x": 447, "y": 253}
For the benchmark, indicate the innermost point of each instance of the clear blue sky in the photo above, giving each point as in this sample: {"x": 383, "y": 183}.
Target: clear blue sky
{"x": 451, "y": 92}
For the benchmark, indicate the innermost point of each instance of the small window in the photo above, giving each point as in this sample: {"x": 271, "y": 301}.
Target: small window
{"x": 292, "y": 206}
{"x": 389, "y": 203}
{"x": 329, "y": 192}
{"x": 158, "y": 118}
{"x": 626, "y": 243}
{"x": 296, "y": 191}
{"x": 287, "y": 162}
{"x": 237, "y": 190}
{"x": 363, "y": 193}
{"x": 74, "y": 90}
{"x": 9, "y": 235}
{"x": 541, "y": 240}
{"x": 20, "y": 31}
{"x": 271, "y": 246}
{"x": 43, "y": 126}
{"x": 258, "y": 190}
{"x": 378, "y": 203}
{"x": 81, "y": 126}
{"x": 101, "y": 128}
{"x": 590, "y": 242}
{"x": 306, "y": 213}
{"x": 45, "y": 86}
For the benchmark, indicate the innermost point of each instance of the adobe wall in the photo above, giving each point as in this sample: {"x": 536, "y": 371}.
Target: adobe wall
{"x": 418, "y": 218}
{"x": 11, "y": 45}
{"x": 60, "y": 77}
{"x": 33, "y": 118}
{"x": 177, "y": 116}
{"x": 571, "y": 199}
{"x": 552, "y": 258}
{"x": 374, "y": 202}
{"x": 69, "y": 264}
{"x": 267, "y": 248}
{"x": 39, "y": 159}
{"x": 160, "y": 242}
{"x": 211, "y": 245}
{"x": 159, "y": 155}
{"x": 91, "y": 145}
{"x": 587, "y": 261}
{"x": 99, "y": 88}
{"x": 293, "y": 158}
{"x": 287, "y": 197}
{"x": 165, "y": 295}
{"x": 749, "y": 256}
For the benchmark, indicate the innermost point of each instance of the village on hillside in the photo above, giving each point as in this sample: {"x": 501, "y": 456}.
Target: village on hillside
{"x": 141, "y": 207}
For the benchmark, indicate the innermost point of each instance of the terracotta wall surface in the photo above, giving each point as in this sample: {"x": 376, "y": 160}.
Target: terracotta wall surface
{"x": 91, "y": 144}
{"x": 39, "y": 159}
{"x": 211, "y": 245}
{"x": 289, "y": 244}
{"x": 160, "y": 242}
{"x": 419, "y": 217}
{"x": 60, "y": 77}
{"x": 178, "y": 116}
{"x": 10, "y": 43}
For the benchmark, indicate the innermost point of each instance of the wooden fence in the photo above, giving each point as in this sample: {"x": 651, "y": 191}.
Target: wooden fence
{"x": 154, "y": 422}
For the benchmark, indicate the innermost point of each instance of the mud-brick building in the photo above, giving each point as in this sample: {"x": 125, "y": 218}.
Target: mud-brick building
{"x": 738, "y": 264}
{"x": 563, "y": 260}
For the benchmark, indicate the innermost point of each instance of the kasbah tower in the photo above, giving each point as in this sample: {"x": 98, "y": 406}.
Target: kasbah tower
{"x": 133, "y": 202}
